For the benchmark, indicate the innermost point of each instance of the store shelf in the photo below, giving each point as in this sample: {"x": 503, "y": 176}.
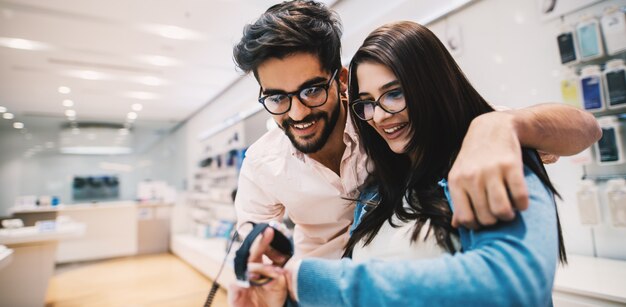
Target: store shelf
{"x": 33, "y": 234}
{"x": 205, "y": 255}
{"x": 597, "y": 280}
{"x": 5, "y": 256}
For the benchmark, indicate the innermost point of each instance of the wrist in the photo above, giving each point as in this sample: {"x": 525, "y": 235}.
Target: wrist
{"x": 291, "y": 269}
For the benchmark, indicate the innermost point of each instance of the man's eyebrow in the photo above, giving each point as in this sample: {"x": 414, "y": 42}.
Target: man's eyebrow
{"x": 305, "y": 84}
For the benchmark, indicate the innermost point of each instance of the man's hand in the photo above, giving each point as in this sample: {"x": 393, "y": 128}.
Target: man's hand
{"x": 488, "y": 173}
{"x": 273, "y": 293}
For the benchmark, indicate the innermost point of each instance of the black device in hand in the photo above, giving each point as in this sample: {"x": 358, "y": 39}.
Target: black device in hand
{"x": 280, "y": 243}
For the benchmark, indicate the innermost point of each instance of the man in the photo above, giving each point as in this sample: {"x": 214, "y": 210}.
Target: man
{"x": 312, "y": 167}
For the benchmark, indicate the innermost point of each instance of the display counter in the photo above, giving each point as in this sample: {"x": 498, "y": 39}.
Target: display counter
{"x": 5, "y": 256}
{"x": 589, "y": 281}
{"x": 114, "y": 229}
{"x": 24, "y": 280}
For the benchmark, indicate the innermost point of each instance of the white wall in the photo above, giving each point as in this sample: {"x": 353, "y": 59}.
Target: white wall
{"x": 52, "y": 173}
{"x": 510, "y": 56}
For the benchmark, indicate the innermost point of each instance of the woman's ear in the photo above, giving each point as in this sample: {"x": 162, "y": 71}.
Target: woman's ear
{"x": 343, "y": 80}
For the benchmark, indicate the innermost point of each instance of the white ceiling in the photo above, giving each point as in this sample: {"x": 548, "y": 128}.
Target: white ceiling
{"x": 127, "y": 47}
{"x": 112, "y": 41}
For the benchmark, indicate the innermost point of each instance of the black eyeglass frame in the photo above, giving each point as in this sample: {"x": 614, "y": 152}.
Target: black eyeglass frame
{"x": 290, "y": 95}
{"x": 375, "y": 103}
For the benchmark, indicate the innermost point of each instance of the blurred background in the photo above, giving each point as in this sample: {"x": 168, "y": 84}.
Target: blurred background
{"x": 124, "y": 124}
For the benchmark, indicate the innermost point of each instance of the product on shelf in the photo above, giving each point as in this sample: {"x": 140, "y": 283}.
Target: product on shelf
{"x": 609, "y": 148}
{"x": 592, "y": 91}
{"x": 616, "y": 195}
{"x": 567, "y": 46}
{"x": 588, "y": 203}
{"x": 589, "y": 39}
{"x": 570, "y": 88}
{"x": 614, "y": 29}
{"x": 615, "y": 83}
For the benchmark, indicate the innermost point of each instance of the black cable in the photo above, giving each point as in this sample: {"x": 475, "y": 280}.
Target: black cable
{"x": 215, "y": 286}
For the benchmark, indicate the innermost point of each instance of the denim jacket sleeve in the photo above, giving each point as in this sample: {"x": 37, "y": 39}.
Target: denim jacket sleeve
{"x": 368, "y": 195}
{"x": 510, "y": 264}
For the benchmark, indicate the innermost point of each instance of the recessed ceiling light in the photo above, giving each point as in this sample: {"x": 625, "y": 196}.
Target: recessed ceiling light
{"x": 158, "y": 60}
{"x": 8, "y": 116}
{"x": 137, "y": 107}
{"x": 150, "y": 80}
{"x": 172, "y": 32}
{"x": 3, "y": 109}
{"x": 22, "y": 44}
{"x": 64, "y": 90}
{"x": 68, "y": 103}
{"x": 70, "y": 113}
{"x": 18, "y": 125}
{"x": 131, "y": 115}
{"x": 142, "y": 95}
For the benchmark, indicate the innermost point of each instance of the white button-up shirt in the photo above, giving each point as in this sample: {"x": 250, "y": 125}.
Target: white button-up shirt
{"x": 276, "y": 178}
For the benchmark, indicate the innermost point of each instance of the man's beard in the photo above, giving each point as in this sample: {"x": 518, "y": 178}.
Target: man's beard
{"x": 313, "y": 145}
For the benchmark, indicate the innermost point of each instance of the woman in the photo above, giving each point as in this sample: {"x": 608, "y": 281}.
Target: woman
{"x": 413, "y": 107}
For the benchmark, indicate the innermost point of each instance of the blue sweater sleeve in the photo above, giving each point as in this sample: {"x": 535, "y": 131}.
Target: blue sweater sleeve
{"x": 511, "y": 264}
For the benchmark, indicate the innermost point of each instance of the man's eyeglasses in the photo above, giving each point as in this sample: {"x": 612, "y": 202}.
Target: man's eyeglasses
{"x": 391, "y": 101}
{"x": 311, "y": 96}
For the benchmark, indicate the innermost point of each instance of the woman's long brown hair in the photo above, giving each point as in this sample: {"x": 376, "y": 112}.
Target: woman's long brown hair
{"x": 441, "y": 104}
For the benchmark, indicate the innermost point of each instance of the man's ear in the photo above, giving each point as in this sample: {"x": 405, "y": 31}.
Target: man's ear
{"x": 343, "y": 80}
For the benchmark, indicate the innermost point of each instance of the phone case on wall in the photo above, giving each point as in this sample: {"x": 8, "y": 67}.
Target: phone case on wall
{"x": 589, "y": 40}
{"x": 567, "y": 47}
{"x": 592, "y": 96}
{"x": 588, "y": 203}
{"x": 616, "y": 194}
{"x": 614, "y": 31}
{"x": 615, "y": 81}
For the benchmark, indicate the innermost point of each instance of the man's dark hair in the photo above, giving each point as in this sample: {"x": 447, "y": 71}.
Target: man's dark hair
{"x": 287, "y": 28}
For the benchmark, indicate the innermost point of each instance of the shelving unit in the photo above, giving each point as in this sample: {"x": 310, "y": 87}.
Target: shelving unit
{"x": 203, "y": 221}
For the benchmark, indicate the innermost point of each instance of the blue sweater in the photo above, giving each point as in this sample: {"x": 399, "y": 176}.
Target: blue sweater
{"x": 510, "y": 264}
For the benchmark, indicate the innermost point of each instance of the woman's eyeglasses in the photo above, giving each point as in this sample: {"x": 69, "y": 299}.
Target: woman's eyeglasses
{"x": 391, "y": 101}
{"x": 311, "y": 96}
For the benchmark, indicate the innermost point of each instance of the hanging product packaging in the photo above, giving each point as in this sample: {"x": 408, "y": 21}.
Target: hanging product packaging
{"x": 570, "y": 88}
{"x": 616, "y": 195}
{"x": 567, "y": 46}
{"x": 609, "y": 147}
{"x": 615, "y": 83}
{"x": 592, "y": 91}
{"x": 614, "y": 29}
{"x": 589, "y": 39}
{"x": 588, "y": 203}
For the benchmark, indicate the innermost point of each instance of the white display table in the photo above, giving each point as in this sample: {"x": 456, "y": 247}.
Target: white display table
{"x": 24, "y": 280}
{"x": 5, "y": 256}
{"x": 114, "y": 229}
{"x": 589, "y": 281}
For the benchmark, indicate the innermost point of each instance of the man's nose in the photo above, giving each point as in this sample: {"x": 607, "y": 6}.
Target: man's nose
{"x": 298, "y": 109}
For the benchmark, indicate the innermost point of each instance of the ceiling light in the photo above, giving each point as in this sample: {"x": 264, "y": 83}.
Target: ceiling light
{"x": 18, "y": 125}
{"x": 131, "y": 115}
{"x": 68, "y": 103}
{"x": 8, "y": 116}
{"x": 142, "y": 95}
{"x": 95, "y": 150}
{"x": 3, "y": 109}
{"x": 172, "y": 32}
{"x": 158, "y": 60}
{"x": 64, "y": 90}
{"x": 70, "y": 113}
{"x": 87, "y": 74}
{"x": 22, "y": 44}
{"x": 137, "y": 107}
{"x": 150, "y": 80}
